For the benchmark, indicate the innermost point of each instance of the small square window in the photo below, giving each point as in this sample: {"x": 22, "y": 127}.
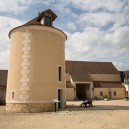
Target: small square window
{"x": 47, "y": 21}
{"x": 101, "y": 93}
{"x": 59, "y": 73}
{"x": 114, "y": 93}
{"x": 13, "y": 95}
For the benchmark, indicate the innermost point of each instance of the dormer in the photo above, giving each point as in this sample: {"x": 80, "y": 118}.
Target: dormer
{"x": 47, "y": 17}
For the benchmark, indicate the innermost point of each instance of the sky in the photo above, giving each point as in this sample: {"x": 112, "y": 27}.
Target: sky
{"x": 97, "y": 30}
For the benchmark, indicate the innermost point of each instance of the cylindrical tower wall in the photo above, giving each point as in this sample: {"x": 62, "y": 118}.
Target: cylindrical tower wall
{"x": 33, "y": 78}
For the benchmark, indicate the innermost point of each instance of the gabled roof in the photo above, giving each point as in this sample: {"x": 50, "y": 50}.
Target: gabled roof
{"x": 3, "y": 77}
{"x": 77, "y": 71}
{"x": 100, "y": 84}
{"x": 80, "y": 70}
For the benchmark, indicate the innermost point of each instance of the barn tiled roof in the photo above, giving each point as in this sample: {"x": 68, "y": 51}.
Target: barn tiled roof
{"x": 3, "y": 77}
{"x": 126, "y": 72}
{"x": 75, "y": 70}
{"x": 99, "y": 84}
{"x": 80, "y": 71}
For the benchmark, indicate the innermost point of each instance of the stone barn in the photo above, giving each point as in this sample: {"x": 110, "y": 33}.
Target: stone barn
{"x": 93, "y": 80}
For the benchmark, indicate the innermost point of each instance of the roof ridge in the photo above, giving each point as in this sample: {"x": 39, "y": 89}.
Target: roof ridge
{"x": 87, "y": 61}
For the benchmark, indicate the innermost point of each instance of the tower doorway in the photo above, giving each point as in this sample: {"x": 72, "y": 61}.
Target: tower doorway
{"x": 60, "y": 98}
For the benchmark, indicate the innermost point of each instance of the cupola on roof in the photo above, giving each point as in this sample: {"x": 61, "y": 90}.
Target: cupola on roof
{"x": 45, "y": 18}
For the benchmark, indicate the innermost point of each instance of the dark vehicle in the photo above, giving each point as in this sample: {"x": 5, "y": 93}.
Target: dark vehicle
{"x": 87, "y": 103}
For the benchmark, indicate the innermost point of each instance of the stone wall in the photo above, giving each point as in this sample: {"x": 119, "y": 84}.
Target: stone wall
{"x": 119, "y": 93}
{"x": 29, "y": 107}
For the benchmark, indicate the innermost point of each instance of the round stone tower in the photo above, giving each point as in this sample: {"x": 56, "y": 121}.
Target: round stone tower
{"x": 37, "y": 66}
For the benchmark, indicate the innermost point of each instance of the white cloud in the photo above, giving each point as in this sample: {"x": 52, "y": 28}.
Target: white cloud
{"x": 81, "y": 44}
{"x": 82, "y": 41}
{"x": 101, "y": 19}
{"x": 71, "y": 26}
{"x": 121, "y": 66}
{"x": 6, "y": 24}
{"x": 119, "y": 38}
{"x": 101, "y": 13}
{"x": 4, "y": 57}
{"x": 96, "y": 45}
{"x": 89, "y": 5}
{"x": 101, "y": 27}
{"x": 14, "y": 6}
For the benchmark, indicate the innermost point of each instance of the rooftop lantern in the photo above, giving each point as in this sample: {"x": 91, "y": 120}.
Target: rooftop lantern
{"x": 44, "y": 18}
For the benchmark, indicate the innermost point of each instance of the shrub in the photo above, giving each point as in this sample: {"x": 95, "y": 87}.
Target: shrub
{"x": 105, "y": 97}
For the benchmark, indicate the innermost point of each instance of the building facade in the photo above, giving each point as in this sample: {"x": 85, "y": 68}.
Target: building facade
{"x": 93, "y": 80}
{"x": 3, "y": 85}
{"x": 37, "y": 67}
{"x": 126, "y": 82}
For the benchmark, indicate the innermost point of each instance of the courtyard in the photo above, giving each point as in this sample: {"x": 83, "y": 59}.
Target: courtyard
{"x": 113, "y": 114}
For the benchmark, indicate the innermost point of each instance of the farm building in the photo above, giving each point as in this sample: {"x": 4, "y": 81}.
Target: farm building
{"x": 93, "y": 80}
{"x": 3, "y": 84}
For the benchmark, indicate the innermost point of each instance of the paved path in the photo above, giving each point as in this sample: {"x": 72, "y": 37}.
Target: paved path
{"x": 104, "y": 115}
{"x": 101, "y": 105}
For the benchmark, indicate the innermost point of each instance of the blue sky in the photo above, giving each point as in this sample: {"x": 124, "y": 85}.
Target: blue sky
{"x": 97, "y": 30}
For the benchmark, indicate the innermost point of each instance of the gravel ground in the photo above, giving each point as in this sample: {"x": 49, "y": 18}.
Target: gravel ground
{"x": 104, "y": 115}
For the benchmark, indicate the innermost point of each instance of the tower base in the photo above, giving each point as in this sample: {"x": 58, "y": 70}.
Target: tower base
{"x": 29, "y": 107}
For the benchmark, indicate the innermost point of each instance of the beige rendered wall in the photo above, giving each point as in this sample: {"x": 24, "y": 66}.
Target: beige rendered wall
{"x": 127, "y": 89}
{"x": 35, "y": 54}
{"x": 14, "y": 72}
{"x": 70, "y": 94}
{"x": 105, "y": 77}
{"x": 120, "y": 92}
